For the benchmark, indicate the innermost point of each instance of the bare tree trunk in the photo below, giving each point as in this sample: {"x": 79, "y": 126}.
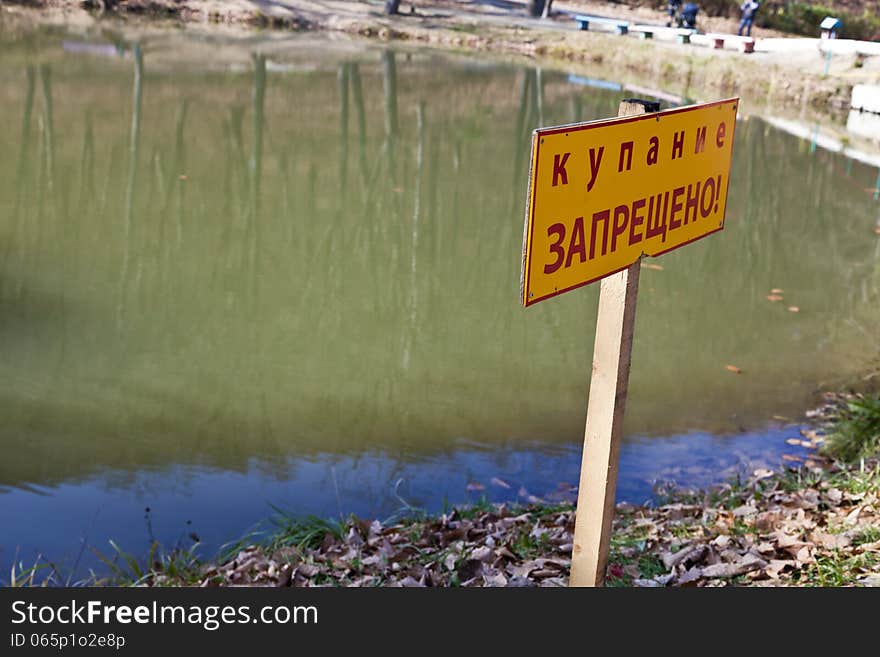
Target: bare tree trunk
{"x": 547, "y": 5}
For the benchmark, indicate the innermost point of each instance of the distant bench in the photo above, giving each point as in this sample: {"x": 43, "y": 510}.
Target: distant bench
{"x": 745, "y": 44}
{"x": 583, "y": 22}
{"x": 643, "y": 31}
{"x": 681, "y": 34}
{"x": 684, "y": 34}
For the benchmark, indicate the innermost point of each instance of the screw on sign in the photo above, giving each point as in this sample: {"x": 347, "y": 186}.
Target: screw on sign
{"x": 602, "y": 195}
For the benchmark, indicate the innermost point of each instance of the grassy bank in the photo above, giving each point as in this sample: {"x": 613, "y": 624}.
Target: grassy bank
{"x": 854, "y": 428}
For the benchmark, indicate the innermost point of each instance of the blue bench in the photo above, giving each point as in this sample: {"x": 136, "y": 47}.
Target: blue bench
{"x": 583, "y": 22}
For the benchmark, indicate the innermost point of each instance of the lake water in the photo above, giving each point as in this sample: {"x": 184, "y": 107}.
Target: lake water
{"x": 231, "y": 280}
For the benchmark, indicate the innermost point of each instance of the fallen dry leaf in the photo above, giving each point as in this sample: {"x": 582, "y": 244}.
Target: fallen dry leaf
{"x": 765, "y": 548}
{"x": 690, "y": 553}
{"x": 830, "y": 541}
{"x": 748, "y": 563}
{"x": 689, "y": 577}
{"x": 483, "y": 553}
{"x": 721, "y": 541}
{"x": 744, "y": 510}
{"x": 646, "y": 583}
{"x": 853, "y": 516}
{"x": 776, "y": 566}
{"x": 873, "y": 579}
{"x": 793, "y": 309}
{"x": 834, "y": 495}
{"x": 767, "y": 520}
{"x": 804, "y": 555}
{"x": 733, "y": 368}
{"x": 494, "y": 579}
{"x": 774, "y": 298}
{"x": 307, "y": 570}
{"x": 411, "y": 582}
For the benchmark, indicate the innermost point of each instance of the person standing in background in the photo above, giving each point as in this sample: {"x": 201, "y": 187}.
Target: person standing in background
{"x": 749, "y": 8}
{"x": 672, "y": 7}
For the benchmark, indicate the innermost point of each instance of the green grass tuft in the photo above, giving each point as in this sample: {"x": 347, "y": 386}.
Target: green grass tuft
{"x": 856, "y": 430}
{"x": 306, "y": 533}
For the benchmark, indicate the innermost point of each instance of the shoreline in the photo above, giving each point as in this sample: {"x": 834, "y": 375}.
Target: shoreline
{"x": 811, "y": 525}
{"x": 814, "y": 521}
{"x": 762, "y": 78}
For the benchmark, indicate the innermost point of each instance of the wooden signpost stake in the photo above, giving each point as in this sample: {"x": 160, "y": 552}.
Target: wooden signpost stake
{"x": 604, "y": 428}
{"x": 612, "y": 353}
{"x": 602, "y": 195}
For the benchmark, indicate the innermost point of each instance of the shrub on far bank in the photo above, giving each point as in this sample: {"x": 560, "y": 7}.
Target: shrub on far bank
{"x": 804, "y": 18}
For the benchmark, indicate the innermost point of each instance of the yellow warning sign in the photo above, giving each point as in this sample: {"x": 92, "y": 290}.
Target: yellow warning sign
{"x": 603, "y": 193}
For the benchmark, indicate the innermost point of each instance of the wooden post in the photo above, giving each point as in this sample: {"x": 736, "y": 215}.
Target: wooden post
{"x": 608, "y": 386}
